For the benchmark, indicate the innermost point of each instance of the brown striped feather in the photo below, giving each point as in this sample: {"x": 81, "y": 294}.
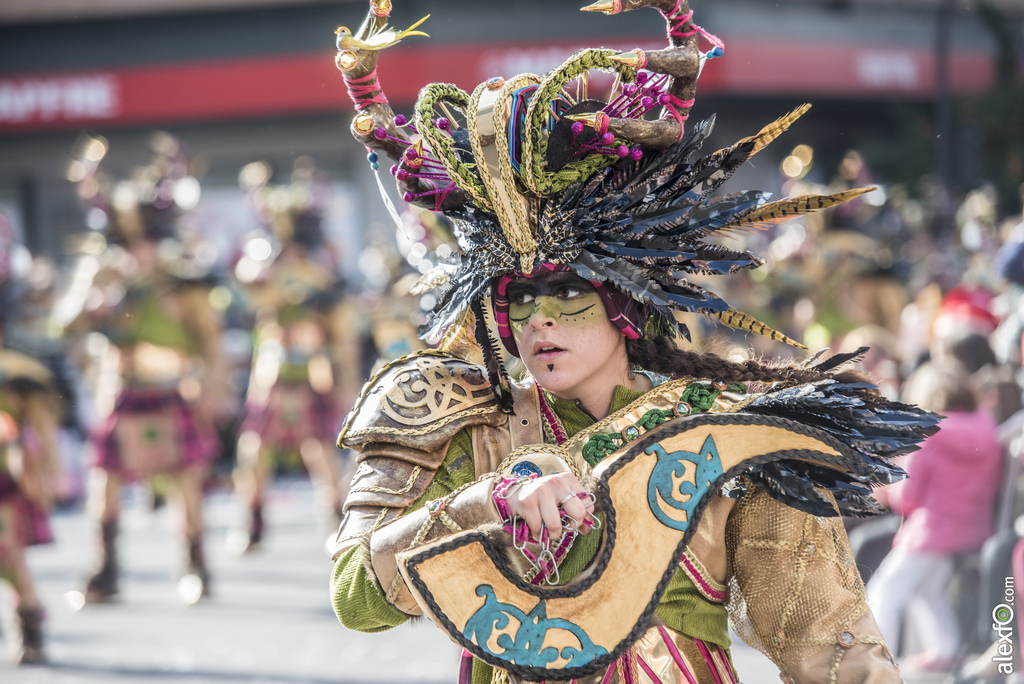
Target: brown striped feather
{"x": 784, "y": 210}
{"x": 742, "y": 321}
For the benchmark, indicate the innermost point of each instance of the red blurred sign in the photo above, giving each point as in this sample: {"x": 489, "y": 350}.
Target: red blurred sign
{"x": 310, "y": 83}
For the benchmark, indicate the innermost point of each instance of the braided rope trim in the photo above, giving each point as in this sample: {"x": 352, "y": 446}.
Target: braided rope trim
{"x": 441, "y": 145}
{"x": 531, "y": 449}
{"x": 513, "y": 220}
{"x": 384, "y": 490}
{"x": 519, "y": 233}
{"x": 537, "y": 178}
{"x": 427, "y": 429}
{"x": 602, "y": 496}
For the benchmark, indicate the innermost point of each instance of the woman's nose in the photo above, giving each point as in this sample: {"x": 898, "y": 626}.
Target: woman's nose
{"x": 541, "y": 317}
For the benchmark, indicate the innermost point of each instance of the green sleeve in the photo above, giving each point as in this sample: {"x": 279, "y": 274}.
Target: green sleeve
{"x": 358, "y": 601}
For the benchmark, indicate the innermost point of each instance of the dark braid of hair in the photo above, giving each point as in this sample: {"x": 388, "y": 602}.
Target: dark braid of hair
{"x": 661, "y": 356}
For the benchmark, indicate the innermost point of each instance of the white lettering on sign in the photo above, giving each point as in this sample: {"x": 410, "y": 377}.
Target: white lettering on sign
{"x": 49, "y": 99}
{"x": 889, "y": 70}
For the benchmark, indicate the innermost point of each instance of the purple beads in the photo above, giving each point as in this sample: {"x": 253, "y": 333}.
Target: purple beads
{"x": 400, "y": 120}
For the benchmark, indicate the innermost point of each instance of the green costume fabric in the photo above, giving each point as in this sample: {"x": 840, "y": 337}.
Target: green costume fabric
{"x": 149, "y": 323}
{"x": 360, "y": 604}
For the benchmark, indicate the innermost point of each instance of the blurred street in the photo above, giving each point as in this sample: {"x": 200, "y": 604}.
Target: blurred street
{"x": 268, "y": 620}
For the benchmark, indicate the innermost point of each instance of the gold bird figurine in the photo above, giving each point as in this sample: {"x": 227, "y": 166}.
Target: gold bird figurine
{"x": 384, "y": 38}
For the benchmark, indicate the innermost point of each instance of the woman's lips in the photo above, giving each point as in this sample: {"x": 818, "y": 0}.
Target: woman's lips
{"x": 548, "y": 352}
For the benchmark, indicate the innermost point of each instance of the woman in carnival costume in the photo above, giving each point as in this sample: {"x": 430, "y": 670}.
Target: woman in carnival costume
{"x": 300, "y": 382}
{"x": 578, "y": 221}
{"x": 29, "y": 466}
{"x": 162, "y": 385}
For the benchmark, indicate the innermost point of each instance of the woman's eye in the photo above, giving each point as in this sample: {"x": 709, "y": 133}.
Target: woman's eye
{"x": 570, "y": 292}
{"x": 522, "y": 298}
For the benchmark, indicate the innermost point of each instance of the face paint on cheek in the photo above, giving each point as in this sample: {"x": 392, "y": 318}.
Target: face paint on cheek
{"x": 582, "y": 312}
{"x": 578, "y": 313}
{"x": 519, "y": 315}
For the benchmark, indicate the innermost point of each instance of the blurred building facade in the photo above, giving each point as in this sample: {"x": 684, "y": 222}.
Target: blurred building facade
{"x": 241, "y": 80}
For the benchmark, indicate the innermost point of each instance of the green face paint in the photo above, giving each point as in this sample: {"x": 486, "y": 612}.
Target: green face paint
{"x": 584, "y": 309}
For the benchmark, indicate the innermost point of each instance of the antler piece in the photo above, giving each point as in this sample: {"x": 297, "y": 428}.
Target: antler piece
{"x": 374, "y": 125}
{"x": 680, "y": 62}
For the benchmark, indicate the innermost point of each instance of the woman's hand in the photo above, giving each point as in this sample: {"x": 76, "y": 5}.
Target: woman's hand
{"x": 542, "y": 502}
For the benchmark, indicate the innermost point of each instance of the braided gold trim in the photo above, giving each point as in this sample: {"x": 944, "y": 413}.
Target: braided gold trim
{"x": 441, "y": 144}
{"x": 442, "y": 515}
{"x": 506, "y": 200}
{"x": 384, "y": 490}
{"x": 476, "y": 146}
{"x": 379, "y": 521}
{"x": 426, "y": 429}
{"x": 449, "y": 521}
{"x": 396, "y": 586}
{"x": 537, "y": 178}
{"x": 519, "y": 232}
{"x": 531, "y": 449}
{"x": 833, "y": 670}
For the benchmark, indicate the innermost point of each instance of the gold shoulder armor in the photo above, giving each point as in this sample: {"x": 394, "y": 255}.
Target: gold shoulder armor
{"x": 421, "y": 401}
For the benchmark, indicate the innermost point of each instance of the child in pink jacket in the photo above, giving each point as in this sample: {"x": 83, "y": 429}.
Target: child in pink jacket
{"x": 947, "y": 503}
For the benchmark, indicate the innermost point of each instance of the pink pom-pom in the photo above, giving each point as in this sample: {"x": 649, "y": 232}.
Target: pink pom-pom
{"x": 380, "y": 134}
{"x": 664, "y": 99}
{"x": 647, "y": 102}
{"x": 400, "y": 120}
{"x": 607, "y": 139}
{"x": 630, "y": 89}
{"x": 443, "y": 123}
{"x": 410, "y": 154}
{"x": 408, "y": 197}
{"x": 623, "y": 152}
{"x": 637, "y": 154}
{"x": 577, "y": 127}
{"x": 394, "y": 170}
{"x": 401, "y": 174}
{"x": 641, "y": 77}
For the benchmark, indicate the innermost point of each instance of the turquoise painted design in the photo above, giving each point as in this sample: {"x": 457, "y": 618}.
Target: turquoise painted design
{"x": 673, "y": 467}
{"x": 525, "y": 645}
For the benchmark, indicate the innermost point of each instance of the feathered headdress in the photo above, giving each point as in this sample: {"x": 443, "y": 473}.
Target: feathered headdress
{"x": 531, "y": 171}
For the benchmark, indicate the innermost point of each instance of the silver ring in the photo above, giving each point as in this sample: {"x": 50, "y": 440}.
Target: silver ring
{"x": 571, "y": 495}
